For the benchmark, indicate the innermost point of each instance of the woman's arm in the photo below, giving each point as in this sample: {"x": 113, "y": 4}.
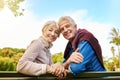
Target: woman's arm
{"x": 26, "y": 64}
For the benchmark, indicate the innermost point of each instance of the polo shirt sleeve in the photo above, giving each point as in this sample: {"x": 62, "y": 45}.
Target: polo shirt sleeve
{"x": 86, "y": 50}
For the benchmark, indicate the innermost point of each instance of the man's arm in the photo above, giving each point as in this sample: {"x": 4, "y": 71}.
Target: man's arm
{"x": 86, "y": 50}
{"x": 75, "y": 57}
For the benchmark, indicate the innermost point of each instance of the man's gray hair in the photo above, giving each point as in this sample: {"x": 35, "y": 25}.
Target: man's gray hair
{"x": 68, "y": 18}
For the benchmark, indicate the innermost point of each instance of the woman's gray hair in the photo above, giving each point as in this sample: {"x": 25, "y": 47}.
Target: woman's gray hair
{"x": 49, "y": 23}
{"x": 68, "y": 18}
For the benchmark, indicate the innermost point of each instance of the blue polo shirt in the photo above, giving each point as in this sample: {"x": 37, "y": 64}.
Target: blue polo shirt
{"x": 90, "y": 61}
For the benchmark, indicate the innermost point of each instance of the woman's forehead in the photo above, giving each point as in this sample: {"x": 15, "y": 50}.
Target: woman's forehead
{"x": 52, "y": 27}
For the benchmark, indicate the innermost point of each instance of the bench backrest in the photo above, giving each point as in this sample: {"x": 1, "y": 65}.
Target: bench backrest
{"x": 109, "y": 75}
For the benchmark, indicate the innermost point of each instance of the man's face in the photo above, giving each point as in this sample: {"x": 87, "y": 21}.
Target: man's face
{"x": 67, "y": 29}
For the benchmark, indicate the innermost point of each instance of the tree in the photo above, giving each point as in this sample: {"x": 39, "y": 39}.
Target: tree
{"x": 115, "y": 39}
{"x": 13, "y": 5}
{"x": 113, "y": 51}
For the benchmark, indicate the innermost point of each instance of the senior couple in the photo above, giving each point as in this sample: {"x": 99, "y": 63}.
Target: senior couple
{"x": 82, "y": 52}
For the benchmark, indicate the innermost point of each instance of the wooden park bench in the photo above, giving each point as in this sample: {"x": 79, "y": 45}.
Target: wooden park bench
{"x": 109, "y": 75}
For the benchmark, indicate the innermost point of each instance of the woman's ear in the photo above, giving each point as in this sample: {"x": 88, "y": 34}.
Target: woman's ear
{"x": 76, "y": 26}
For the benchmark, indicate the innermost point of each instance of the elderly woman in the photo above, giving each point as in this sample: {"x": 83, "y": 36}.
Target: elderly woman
{"x": 37, "y": 58}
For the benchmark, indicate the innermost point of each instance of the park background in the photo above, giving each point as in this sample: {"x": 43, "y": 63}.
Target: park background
{"x": 21, "y": 22}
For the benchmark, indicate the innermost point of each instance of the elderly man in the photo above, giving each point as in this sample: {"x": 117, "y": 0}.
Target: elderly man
{"x": 83, "y": 42}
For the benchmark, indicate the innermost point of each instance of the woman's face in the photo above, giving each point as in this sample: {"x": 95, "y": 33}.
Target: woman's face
{"x": 51, "y": 33}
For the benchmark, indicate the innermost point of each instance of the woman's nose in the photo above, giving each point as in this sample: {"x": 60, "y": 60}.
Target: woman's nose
{"x": 53, "y": 33}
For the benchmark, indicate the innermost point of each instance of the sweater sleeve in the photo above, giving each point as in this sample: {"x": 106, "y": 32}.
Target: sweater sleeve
{"x": 84, "y": 49}
{"x": 27, "y": 64}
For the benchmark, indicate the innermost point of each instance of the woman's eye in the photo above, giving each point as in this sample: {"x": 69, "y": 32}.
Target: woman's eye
{"x": 61, "y": 29}
{"x": 56, "y": 32}
{"x": 50, "y": 29}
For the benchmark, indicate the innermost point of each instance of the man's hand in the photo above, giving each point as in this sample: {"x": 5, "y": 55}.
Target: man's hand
{"x": 75, "y": 57}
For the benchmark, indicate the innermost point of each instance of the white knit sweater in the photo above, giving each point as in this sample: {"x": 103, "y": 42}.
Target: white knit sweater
{"x": 36, "y": 57}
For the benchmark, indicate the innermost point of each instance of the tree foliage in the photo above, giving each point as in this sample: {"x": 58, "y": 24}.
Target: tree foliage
{"x": 115, "y": 36}
{"x": 58, "y": 57}
{"x": 10, "y": 52}
{"x": 13, "y": 5}
{"x": 115, "y": 39}
{"x": 7, "y": 64}
{"x": 9, "y": 58}
{"x": 112, "y": 64}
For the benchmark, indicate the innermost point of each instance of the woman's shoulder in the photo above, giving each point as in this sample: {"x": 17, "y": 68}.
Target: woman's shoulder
{"x": 36, "y": 42}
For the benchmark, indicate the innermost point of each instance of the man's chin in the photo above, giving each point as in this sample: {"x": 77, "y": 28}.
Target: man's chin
{"x": 68, "y": 37}
{"x": 71, "y": 38}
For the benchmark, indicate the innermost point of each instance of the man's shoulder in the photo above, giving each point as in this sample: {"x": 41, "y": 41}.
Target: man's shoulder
{"x": 84, "y": 31}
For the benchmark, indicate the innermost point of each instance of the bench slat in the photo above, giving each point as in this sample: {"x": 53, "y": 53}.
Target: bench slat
{"x": 109, "y": 75}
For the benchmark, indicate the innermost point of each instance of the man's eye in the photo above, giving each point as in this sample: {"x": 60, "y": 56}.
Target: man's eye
{"x": 67, "y": 26}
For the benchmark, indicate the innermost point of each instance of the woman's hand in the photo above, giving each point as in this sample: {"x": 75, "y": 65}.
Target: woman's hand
{"x": 58, "y": 68}
{"x": 64, "y": 74}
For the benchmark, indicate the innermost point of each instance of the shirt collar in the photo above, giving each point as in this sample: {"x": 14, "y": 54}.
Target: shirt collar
{"x": 45, "y": 41}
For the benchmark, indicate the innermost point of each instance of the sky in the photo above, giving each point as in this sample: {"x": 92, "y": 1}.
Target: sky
{"x": 97, "y": 16}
